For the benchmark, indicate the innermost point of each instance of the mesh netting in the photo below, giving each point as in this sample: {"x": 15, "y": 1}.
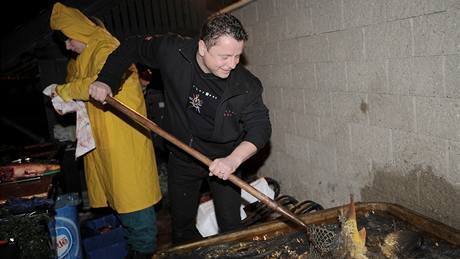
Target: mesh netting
{"x": 323, "y": 241}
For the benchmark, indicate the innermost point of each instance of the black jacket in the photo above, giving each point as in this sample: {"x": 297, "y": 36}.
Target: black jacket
{"x": 241, "y": 115}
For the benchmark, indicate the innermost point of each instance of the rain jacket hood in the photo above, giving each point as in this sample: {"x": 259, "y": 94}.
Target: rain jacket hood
{"x": 74, "y": 24}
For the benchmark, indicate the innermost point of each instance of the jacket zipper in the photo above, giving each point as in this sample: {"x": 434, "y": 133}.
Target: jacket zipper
{"x": 190, "y": 142}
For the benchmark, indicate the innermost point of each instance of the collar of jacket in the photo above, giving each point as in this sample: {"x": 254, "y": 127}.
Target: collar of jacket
{"x": 235, "y": 84}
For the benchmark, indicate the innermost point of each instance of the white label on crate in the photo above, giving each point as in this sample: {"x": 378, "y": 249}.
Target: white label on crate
{"x": 63, "y": 241}
{"x": 67, "y": 246}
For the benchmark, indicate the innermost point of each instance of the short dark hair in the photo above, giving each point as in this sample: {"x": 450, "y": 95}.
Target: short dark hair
{"x": 222, "y": 24}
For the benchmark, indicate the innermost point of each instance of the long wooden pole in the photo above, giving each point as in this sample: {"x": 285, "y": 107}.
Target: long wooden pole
{"x": 150, "y": 125}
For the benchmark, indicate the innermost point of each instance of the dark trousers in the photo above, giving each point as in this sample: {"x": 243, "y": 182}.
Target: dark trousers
{"x": 184, "y": 182}
{"x": 140, "y": 230}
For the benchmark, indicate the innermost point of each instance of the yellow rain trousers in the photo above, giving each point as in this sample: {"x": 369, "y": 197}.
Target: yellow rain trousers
{"x": 121, "y": 172}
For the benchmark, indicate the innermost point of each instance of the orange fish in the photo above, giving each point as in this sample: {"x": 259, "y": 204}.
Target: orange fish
{"x": 349, "y": 243}
{"x": 352, "y": 243}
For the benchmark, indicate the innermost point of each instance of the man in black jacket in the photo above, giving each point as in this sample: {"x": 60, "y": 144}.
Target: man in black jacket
{"x": 212, "y": 103}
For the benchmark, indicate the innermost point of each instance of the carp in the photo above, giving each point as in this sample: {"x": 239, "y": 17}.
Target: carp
{"x": 351, "y": 242}
{"x": 12, "y": 172}
{"x": 401, "y": 243}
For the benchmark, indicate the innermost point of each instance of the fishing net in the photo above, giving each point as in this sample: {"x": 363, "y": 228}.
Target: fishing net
{"x": 323, "y": 241}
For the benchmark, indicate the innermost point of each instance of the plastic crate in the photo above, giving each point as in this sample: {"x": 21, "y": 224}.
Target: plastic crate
{"x": 103, "y": 238}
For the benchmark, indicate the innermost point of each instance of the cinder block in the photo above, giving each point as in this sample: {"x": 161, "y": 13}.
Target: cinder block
{"x": 439, "y": 117}
{"x": 289, "y": 51}
{"x": 429, "y": 31}
{"x": 363, "y": 12}
{"x": 452, "y": 74}
{"x": 307, "y": 126}
{"x": 438, "y": 204}
{"x": 453, "y": 175}
{"x": 375, "y": 41}
{"x": 415, "y": 150}
{"x": 298, "y": 22}
{"x": 331, "y": 76}
{"x": 451, "y": 43}
{"x": 326, "y": 15}
{"x": 398, "y": 39}
{"x": 293, "y": 100}
{"x": 400, "y": 76}
{"x": 373, "y": 143}
{"x": 392, "y": 112}
{"x": 318, "y": 103}
{"x": 323, "y": 157}
{"x": 314, "y": 48}
{"x": 303, "y": 75}
{"x": 296, "y": 147}
{"x": 346, "y": 45}
{"x": 350, "y": 107}
{"x": 427, "y": 76}
{"x": 277, "y": 29}
{"x": 400, "y": 9}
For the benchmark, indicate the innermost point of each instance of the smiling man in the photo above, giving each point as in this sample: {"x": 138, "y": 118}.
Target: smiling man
{"x": 212, "y": 103}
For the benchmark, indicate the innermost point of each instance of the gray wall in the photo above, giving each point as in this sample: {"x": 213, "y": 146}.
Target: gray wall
{"x": 364, "y": 98}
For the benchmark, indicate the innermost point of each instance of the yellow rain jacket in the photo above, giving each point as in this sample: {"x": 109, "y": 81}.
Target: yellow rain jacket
{"x": 121, "y": 172}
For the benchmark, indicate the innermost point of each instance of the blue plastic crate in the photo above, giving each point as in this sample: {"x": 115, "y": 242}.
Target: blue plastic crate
{"x": 106, "y": 244}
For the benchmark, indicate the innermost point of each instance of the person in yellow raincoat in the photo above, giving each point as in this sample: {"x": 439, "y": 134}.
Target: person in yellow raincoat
{"x": 121, "y": 171}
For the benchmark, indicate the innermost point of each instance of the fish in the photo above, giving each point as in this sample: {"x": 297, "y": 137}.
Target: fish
{"x": 351, "y": 242}
{"x": 400, "y": 243}
{"x": 15, "y": 171}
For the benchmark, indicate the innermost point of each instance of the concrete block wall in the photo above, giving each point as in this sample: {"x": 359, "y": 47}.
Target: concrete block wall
{"x": 364, "y": 98}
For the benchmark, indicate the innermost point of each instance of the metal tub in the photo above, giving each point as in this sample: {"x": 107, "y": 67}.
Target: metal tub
{"x": 275, "y": 228}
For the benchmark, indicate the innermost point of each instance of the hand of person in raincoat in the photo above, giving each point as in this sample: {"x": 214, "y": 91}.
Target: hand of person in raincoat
{"x": 99, "y": 91}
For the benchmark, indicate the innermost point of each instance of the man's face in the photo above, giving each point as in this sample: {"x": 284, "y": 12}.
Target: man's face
{"x": 221, "y": 58}
{"x": 75, "y": 45}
